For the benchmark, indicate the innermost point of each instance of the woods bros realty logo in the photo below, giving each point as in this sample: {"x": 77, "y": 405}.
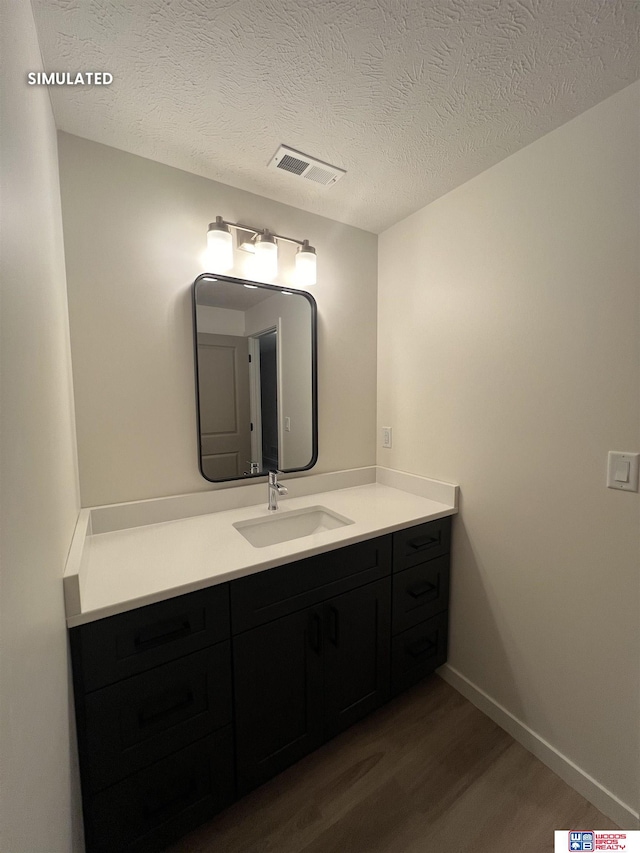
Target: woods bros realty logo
{"x": 69, "y": 78}
{"x": 577, "y": 841}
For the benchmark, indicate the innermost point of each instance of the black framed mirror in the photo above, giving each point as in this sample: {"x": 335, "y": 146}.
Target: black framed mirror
{"x": 255, "y": 351}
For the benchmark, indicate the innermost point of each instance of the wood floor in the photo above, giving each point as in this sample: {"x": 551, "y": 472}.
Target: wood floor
{"x": 428, "y": 773}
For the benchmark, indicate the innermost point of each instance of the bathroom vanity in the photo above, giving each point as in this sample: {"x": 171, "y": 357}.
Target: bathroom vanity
{"x": 191, "y": 701}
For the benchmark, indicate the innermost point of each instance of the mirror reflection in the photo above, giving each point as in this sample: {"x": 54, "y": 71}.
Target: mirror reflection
{"x": 255, "y": 348}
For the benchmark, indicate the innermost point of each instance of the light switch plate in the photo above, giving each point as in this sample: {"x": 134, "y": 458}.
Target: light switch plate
{"x": 386, "y": 436}
{"x": 622, "y": 471}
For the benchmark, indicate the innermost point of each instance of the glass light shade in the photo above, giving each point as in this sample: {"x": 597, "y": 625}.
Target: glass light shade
{"x": 219, "y": 248}
{"x": 306, "y": 265}
{"x": 266, "y": 257}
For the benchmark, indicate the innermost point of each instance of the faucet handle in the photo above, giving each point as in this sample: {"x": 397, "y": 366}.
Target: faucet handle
{"x": 275, "y": 489}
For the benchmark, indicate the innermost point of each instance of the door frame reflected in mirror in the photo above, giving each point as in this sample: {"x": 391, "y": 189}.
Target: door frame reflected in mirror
{"x": 255, "y": 403}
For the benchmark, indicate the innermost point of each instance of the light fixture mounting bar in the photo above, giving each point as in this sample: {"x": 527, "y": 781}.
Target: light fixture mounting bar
{"x": 256, "y": 231}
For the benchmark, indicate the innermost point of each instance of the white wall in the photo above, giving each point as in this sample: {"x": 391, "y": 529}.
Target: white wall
{"x": 509, "y": 362}
{"x": 135, "y": 231}
{"x": 39, "y": 501}
{"x": 220, "y": 321}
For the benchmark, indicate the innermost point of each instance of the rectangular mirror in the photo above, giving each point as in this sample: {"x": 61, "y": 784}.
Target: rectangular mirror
{"x": 256, "y": 383}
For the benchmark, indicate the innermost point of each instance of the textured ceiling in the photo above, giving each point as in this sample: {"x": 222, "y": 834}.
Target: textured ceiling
{"x": 411, "y": 97}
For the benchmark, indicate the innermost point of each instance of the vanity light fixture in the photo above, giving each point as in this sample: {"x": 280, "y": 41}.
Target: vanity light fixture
{"x": 219, "y": 246}
{"x": 266, "y": 255}
{"x": 305, "y": 264}
{"x": 263, "y": 245}
{"x": 244, "y": 240}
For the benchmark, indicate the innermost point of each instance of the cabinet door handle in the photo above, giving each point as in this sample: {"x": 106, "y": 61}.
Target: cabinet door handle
{"x": 162, "y": 706}
{"x": 423, "y": 542}
{"x": 422, "y": 647}
{"x": 162, "y": 632}
{"x": 420, "y": 589}
{"x": 334, "y": 625}
{"x": 315, "y": 629}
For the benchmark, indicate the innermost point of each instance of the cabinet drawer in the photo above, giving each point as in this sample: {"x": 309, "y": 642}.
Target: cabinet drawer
{"x": 137, "y": 721}
{"x": 120, "y": 646}
{"x": 420, "y": 592}
{"x": 154, "y": 807}
{"x": 268, "y": 595}
{"x": 422, "y": 542}
{"x": 418, "y": 651}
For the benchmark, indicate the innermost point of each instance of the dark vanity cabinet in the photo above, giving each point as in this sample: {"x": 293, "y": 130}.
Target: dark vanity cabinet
{"x": 420, "y": 601}
{"x": 184, "y": 705}
{"x": 153, "y": 704}
{"x": 320, "y": 665}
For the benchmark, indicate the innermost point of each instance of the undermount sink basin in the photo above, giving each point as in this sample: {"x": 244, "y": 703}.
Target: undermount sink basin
{"x": 287, "y": 525}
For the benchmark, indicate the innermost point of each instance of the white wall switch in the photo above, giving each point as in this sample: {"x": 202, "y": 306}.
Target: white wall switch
{"x": 622, "y": 471}
{"x": 287, "y": 424}
{"x": 386, "y": 436}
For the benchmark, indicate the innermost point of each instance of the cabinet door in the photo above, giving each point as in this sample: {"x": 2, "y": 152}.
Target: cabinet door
{"x": 356, "y": 654}
{"x": 278, "y": 690}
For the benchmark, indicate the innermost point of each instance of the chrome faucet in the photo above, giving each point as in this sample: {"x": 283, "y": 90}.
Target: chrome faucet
{"x": 275, "y": 489}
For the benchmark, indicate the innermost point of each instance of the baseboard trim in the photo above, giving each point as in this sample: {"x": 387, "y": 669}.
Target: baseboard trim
{"x": 573, "y": 775}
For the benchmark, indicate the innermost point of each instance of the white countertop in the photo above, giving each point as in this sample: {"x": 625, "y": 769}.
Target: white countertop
{"x": 128, "y": 568}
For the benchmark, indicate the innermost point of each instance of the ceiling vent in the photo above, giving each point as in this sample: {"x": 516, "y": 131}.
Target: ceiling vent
{"x": 302, "y": 166}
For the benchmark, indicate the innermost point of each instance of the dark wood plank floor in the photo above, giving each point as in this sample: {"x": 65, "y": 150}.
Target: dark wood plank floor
{"x": 428, "y": 773}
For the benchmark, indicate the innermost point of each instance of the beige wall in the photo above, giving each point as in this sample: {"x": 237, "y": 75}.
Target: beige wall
{"x": 134, "y": 232}
{"x": 292, "y": 318}
{"x": 39, "y": 500}
{"x": 508, "y": 357}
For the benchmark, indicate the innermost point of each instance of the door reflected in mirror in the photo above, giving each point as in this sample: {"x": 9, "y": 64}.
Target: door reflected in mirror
{"x": 255, "y": 348}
